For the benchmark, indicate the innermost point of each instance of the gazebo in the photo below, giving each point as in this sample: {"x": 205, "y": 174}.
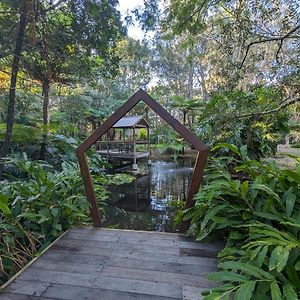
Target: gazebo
{"x": 122, "y": 141}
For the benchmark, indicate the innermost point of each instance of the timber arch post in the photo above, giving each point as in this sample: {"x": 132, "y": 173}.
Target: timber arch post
{"x": 141, "y": 95}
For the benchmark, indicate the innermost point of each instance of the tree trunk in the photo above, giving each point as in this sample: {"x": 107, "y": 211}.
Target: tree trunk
{"x": 203, "y": 85}
{"x": 184, "y": 122}
{"x": 13, "y": 80}
{"x": 43, "y": 149}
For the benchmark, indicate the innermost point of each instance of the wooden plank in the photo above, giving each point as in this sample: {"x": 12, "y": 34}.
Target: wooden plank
{"x": 55, "y": 256}
{"x": 198, "y": 252}
{"x": 192, "y": 293}
{"x": 126, "y": 232}
{"x": 93, "y": 230}
{"x": 156, "y": 276}
{"x": 166, "y": 243}
{"x": 10, "y": 296}
{"x": 30, "y": 288}
{"x": 177, "y": 268}
{"x": 81, "y": 248}
{"x": 93, "y": 236}
{"x": 142, "y": 233}
{"x": 163, "y": 257}
{"x": 109, "y": 283}
{"x": 67, "y": 292}
{"x": 64, "y": 266}
{"x": 176, "y": 242}
{"x": 78, "y": 244}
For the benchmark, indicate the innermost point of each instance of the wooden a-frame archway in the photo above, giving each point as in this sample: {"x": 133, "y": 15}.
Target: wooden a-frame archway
{"x": 141, "y": 95}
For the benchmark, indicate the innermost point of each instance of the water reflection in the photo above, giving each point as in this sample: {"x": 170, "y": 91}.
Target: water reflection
{"x": 146, "y": 203}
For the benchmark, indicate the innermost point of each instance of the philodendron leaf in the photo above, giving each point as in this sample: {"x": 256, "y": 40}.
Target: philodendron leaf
{"x": 245, "y": 291}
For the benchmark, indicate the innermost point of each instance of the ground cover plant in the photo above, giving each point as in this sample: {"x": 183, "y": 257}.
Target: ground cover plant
{"x": 255, "y": 207}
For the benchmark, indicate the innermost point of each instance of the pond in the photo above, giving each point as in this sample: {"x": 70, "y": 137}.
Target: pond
{"x": 149, "y": 202}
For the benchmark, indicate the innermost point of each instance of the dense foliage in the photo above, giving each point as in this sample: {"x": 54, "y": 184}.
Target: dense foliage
{"x": 255, "y": 207}
{"x": 38, "y": 203}
{"x": 227, "y": 70}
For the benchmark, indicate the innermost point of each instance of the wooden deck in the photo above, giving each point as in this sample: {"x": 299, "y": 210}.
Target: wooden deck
{"x": 123, "y": 155}
{"x": 109, "y": 264}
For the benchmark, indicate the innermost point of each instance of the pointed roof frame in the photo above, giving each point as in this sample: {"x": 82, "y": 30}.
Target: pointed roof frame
{"x": 138, "y": 119}
{"x": 141, "y": 95}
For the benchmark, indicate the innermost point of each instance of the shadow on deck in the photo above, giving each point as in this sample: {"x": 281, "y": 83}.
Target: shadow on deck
{"x": 110, "y": 264}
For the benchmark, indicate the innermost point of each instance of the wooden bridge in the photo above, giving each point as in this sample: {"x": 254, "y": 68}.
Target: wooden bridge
{"x": 109, "y": 264}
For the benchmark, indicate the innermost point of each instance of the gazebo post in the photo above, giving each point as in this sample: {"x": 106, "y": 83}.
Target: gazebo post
{"x": 134, "y": 166}
{"x": 107, "y": 147}
{"x": 148, "y": 136}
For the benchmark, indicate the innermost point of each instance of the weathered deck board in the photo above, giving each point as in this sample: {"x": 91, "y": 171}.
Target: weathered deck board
{"x": 109, "y": 264}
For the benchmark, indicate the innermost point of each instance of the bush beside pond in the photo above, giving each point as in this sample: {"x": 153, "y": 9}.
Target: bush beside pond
{"x": 255, "y": 207}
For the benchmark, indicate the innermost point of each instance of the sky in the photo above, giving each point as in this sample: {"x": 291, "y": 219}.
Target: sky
{"x": 128, "y": 5}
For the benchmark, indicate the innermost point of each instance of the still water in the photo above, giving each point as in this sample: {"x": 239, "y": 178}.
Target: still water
{"x": 148, "y": 203}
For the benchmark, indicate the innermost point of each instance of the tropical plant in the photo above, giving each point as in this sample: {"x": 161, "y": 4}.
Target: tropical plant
{"x": 40, "y": 203}
{"x": 255, "y": 206}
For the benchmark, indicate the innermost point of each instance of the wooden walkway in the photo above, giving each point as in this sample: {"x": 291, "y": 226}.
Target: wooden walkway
{"x": 123, "y": 155}
{"x": 110, "y": 264}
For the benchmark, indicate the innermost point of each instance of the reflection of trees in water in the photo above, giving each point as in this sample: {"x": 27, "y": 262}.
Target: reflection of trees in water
{"x": 146, "y": 203}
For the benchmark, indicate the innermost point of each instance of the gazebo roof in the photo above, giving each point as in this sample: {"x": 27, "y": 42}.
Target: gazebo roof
{"x": 132, "y": 121}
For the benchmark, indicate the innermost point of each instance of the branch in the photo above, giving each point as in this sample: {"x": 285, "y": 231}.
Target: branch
{"x": 286, "y": 102}
{"x": 54, "y": 5}
{"x": 22, "y": 78}
{"x": 270, "y": 39}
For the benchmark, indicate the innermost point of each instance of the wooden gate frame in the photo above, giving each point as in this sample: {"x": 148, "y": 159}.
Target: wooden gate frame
{"x": 141, "y": 95}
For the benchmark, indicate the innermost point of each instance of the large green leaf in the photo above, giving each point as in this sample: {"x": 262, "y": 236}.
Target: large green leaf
{"x": 211, "y": 214}
{"x": 289, "y": 292}
{"x": 275, "y": 291}
{"x": 227, "y": 276}
{"x": 231, "y": 147}
{"x": 245, "y": 291}
{"x": 283, "y": 259}
{"x": 267, "y": 189}
{"x": 247, "y": 268}
{"x": 278, "y": 259}
{"x": 261, "y": 256}
{"x": 3, "y": 205}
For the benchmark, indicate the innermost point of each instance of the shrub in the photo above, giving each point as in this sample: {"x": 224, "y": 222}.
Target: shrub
{"x": 40, "y": 203}
{"x": 255, "y": 206}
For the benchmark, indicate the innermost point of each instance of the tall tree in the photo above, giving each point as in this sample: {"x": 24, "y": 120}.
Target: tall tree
{"x": 76, "y": 39}
{"x": 23, "y": 17}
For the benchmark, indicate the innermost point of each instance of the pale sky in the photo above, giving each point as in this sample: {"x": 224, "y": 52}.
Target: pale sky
{"x": 128, "y": 5}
